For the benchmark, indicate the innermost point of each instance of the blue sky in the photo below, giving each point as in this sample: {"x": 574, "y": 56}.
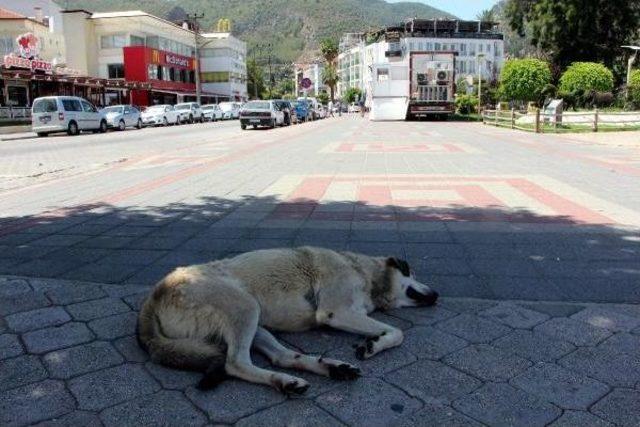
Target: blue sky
{"x": 465, "y": 9}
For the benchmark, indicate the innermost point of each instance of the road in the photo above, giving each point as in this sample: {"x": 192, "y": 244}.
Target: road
{"x": 478, "y": 211}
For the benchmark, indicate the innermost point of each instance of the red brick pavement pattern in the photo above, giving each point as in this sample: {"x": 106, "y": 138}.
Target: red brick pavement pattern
{"x": 434, "y": 198}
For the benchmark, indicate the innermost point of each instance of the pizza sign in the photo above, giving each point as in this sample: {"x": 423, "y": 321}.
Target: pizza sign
{"x": 28, "y": 45}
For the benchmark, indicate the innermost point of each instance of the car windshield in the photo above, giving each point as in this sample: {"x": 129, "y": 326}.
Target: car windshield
{"x": 46, "y": 105}
{"x": 155, "y": 109}
{"x": 207, "y": 107}
{"x": 257, "y": 105}
{"x": 113, "y": 110}
{"x": 183, "y": 107}
{"x": 226, "y": 106}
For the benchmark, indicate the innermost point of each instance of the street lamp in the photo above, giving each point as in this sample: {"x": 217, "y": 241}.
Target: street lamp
{"x": 632, "y": 59}
{"x": 479, "y": 58}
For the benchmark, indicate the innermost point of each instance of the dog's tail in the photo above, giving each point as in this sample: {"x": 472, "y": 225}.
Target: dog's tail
{"x": 181, "y": 353}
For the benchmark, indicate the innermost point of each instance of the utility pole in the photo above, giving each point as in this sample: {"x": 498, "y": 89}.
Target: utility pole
{"x": 271, "y": 80}
{"x": 196, "y": 30}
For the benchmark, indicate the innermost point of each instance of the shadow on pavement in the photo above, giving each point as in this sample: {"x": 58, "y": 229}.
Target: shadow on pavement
{"x": 463, "y": 251}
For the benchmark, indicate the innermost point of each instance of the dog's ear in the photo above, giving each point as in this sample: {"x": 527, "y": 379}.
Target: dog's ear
{"x": 400, "y": 264}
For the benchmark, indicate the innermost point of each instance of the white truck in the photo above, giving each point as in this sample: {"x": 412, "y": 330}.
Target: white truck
{"x": 422, "y": 85}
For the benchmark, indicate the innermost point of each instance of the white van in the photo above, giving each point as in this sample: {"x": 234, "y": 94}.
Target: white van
{"x": 230, "y": 110}
{"x": 69, "y": 114}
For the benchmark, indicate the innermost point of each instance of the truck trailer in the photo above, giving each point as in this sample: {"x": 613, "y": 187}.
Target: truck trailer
{"x": 420, "y": 86}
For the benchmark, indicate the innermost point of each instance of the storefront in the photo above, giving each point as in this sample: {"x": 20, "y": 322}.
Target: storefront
{"x": 170, "y": 77}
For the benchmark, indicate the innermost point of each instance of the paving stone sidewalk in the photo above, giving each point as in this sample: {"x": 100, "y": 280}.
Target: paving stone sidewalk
{"x": 68, "y": 356}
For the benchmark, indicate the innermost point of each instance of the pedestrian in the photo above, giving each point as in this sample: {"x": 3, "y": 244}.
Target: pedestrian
{"x": 330, "y": 105}
{"x": 339, "y": 108}
{"x": 361, "y": 103}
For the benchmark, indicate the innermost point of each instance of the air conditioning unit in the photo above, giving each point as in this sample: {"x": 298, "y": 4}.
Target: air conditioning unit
{"x": 443, "y": 77}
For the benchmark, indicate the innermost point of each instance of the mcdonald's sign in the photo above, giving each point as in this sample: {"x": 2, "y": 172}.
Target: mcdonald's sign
{"x": 155, "y": 56}
{"x": 223, "y": 26}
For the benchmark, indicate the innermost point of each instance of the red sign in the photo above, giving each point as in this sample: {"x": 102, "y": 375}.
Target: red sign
{"x": 31, "y": 64}
{"x": 306, "y": 83}
{"x": 177, "y": 60}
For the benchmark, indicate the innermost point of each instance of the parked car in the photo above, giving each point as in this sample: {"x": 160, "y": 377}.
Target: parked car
{"x": 312, "y": 105}
{"x": 321, "y": 112}
{"x": 160, "y": 115}
{"x": 261, "y": 113}
{"x": 212, "y": 112}
{"x": 288, "y": 110}
{"x": 354, "y": 108}
{"x": 122, "y": 116}
{"x": 190, "y": 112}
{"x": 69, "y": 114}
{"x": 230, "y": 110}
{"x": 302, "y": 109}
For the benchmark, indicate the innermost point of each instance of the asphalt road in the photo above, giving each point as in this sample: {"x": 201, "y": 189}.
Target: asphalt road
{"x": 478, "y": 211}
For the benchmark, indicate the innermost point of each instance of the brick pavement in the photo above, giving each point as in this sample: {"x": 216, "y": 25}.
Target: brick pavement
{"x": 68, "y": 356}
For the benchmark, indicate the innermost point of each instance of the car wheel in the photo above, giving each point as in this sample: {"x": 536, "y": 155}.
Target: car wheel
{"x": 255, "y": 126}
{"x": 190, "y": 119}
{"x": 103, "y": 127}
{"x": 243, "y": 126}
{"x": 273, "y": 124}
{"x": 202, "y": 120}
{"x": 139, "y": 124}
{"x": 165, "y": 122}
{"x": 178, "y": 121}
{"x": 72, "y": 129}
{"x": 121, "y": 125}
{"x": 41, "y": 134}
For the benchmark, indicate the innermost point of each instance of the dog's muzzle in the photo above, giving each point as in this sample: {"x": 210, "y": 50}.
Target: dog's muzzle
{"x": 421, "y": 299}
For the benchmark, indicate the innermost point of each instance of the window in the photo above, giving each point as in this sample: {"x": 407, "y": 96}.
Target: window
{"x": 463, "y": 49}
{"x": 215, "y": 77}
{"x": 6, "y": 45}
{"x": 115, "y": 71}
{"x": 488, "y": 48}
{"x": 172, "y": 74}
{"x": 480, "y": 48}
{"x": 71, "y": 105}
{"x": 437, "y": 46}
{"x": 152, "y": 41}
{"x": 192, "y": 76}
{"x": 137, "y": 41}
{"x": 45, "y": 105}
{"x": 88, "y": 107}
{"x": 183, "y": 75}
{"x": 152, "y": 72}
{"x": 429, "y": 46}
{"x": 113, "y": 41}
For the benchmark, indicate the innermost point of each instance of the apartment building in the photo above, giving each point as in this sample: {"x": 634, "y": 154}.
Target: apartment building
{"x": 223, "y": 66}
{"x": 479, "y": 45}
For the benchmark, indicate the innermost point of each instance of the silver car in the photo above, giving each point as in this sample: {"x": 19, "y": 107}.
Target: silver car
{"x": 69, "y": 114}
{"x": 122, "y": 116}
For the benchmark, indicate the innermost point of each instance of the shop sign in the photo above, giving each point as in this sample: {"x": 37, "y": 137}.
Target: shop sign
{"x": 26, "y": 56}
{"x": 31, "y": 64}
{"x": 176, "y": 60}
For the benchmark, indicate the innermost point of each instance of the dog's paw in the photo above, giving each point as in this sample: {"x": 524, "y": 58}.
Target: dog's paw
{"x": 293, "y": 386}
{"x": 344, "y": 372}
{"x": 365, "y": 351}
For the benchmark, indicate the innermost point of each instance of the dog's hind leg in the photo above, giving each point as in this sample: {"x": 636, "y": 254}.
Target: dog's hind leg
{"x": 279, "y": 355}
{"x": 239, "y": 334}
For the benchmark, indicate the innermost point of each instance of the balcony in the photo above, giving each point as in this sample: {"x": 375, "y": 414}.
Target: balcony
{"x": 393, "y": 53}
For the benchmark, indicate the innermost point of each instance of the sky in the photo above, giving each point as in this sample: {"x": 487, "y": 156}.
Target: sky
{"x": 465, "y": 9}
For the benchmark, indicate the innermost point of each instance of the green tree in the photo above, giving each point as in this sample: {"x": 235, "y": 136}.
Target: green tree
{"x": 351, "y": 94}
{"x": 524, "y": 79}
{"x": 634, "y": 89}
{"x": 330, "y": 78}
{"x": 255, "y": 79}
{"x": 583, "y": 77}
{"x": 323, "y": 98}
{"x": 329, "y": 50}
{"x": 487, "y": 15}
{"x": 576, "y": 30}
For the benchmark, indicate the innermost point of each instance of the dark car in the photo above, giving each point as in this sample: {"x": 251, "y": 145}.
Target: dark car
{"x": 290, "y": 115}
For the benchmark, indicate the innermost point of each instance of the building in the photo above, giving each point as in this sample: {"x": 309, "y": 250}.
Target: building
{"x": 312, "y": 71}
{"x": 479, "y": 45}
{"x": 223, "y": 66}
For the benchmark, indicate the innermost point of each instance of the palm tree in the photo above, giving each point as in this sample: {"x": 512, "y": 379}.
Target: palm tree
{"x": 329, "y": 49}
{"x": 487, "y": 15}
{"x": 330, "y": 77}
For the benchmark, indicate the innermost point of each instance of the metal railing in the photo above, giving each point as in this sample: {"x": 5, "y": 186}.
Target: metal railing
{"x": 15, "y": 113}
{"x": 433, "y": 93}
{"x": 540, "y": 122}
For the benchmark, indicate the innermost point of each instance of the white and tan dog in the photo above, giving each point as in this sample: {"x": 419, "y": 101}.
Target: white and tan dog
{"x": 207, "y": 317}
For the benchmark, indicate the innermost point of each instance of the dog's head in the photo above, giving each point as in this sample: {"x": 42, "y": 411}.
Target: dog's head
{"x": 406, "y": 291}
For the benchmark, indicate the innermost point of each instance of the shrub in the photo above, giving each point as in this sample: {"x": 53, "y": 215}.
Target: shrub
{"x": 466, "y": 104}
{"x": 634, "y": 89}
{"x": 524, "y": 79}
{"x": 352, "y": 94}
{"x": 586, "y": 77}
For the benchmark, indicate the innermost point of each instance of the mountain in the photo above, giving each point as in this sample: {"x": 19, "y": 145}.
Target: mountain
{"x": 290, "y": 26}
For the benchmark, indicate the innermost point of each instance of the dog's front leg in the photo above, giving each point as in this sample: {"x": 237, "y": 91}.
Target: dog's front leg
{"x": 380, "y": 336}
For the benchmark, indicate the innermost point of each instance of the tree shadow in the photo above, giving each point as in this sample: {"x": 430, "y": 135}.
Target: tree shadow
{"x": 484, "y": 252}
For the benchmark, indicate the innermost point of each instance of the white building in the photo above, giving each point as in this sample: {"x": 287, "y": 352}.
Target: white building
{"x": 223, "y": 66}
{"x": 312, "y": 71}
{"x": 480, "y": 47}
